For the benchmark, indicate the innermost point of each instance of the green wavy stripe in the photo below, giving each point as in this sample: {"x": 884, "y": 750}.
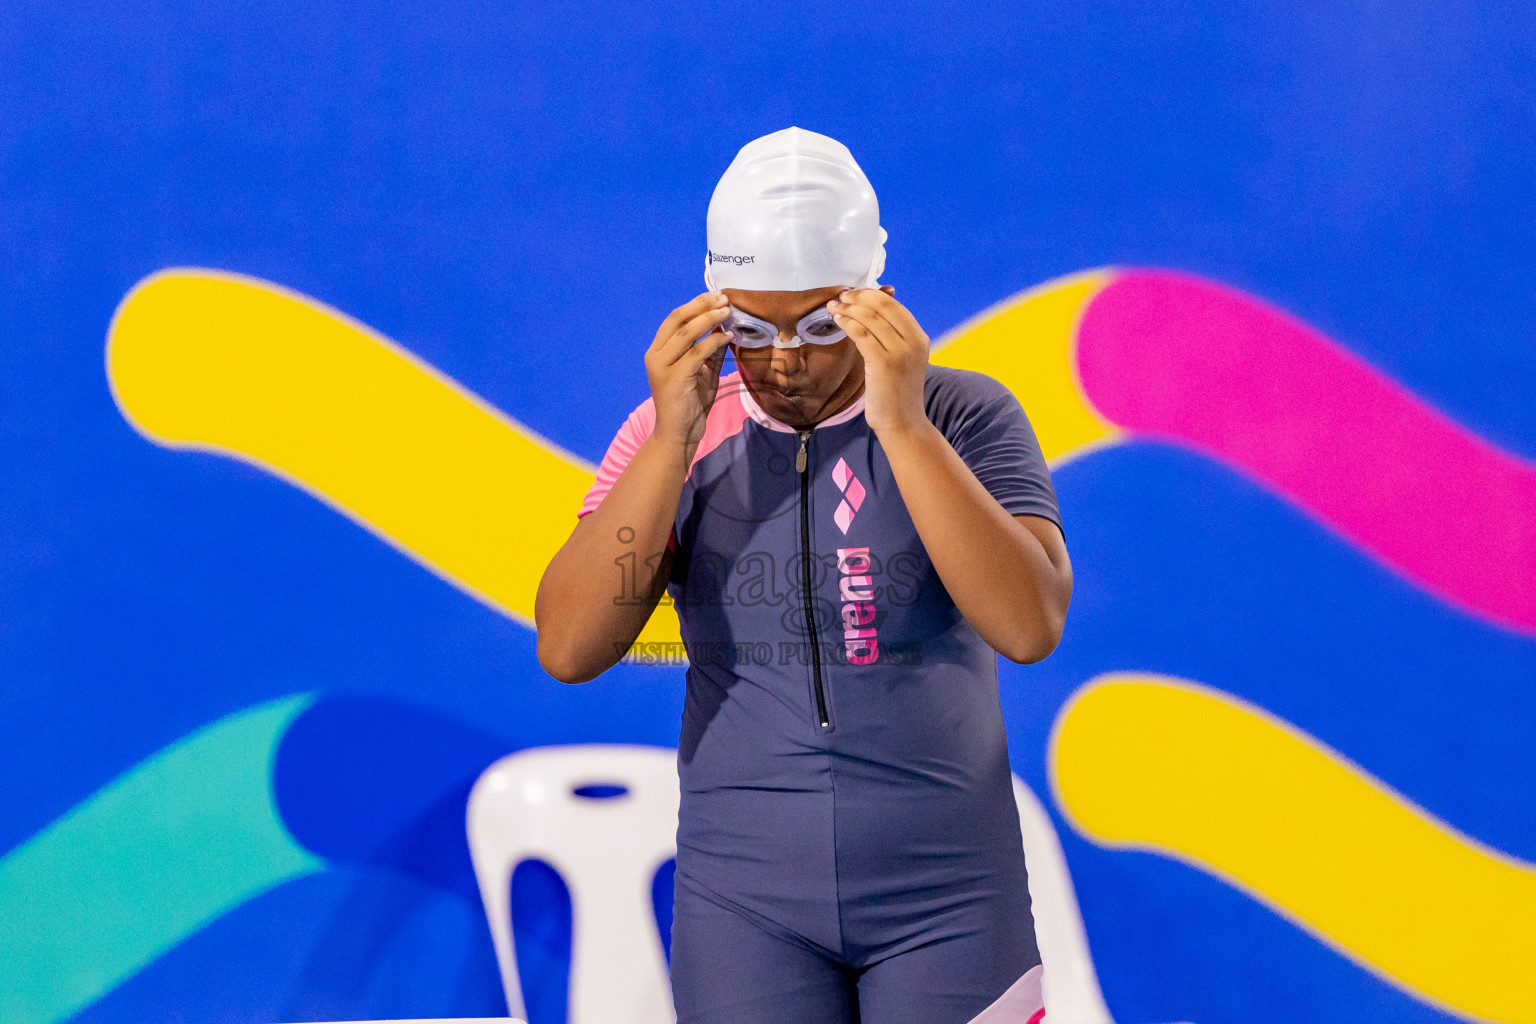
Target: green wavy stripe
{"x": 167, "y": 847}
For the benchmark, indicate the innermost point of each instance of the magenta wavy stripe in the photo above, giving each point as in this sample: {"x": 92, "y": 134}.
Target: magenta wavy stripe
{"x": 1163, "y": 354}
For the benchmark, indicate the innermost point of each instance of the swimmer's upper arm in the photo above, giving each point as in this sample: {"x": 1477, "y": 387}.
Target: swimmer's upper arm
{"x": 1050, "y": 537}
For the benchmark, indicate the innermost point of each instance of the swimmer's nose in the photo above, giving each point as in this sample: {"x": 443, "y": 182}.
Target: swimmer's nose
{"x": 792, "y": 359}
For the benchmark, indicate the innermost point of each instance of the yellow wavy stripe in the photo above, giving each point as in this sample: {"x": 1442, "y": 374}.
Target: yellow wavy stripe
{"x": 1029, "y": 343}
{"x": 210, "y": 360}
{"x": 1150, "y": 762}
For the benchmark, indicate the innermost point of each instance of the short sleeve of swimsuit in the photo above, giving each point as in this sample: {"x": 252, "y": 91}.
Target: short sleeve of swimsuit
{"x": 632, "y": 434}
{"x": 989, "y": 430}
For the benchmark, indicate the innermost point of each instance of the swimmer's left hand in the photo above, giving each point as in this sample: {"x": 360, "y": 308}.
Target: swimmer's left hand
{"x": 895, "y": 351}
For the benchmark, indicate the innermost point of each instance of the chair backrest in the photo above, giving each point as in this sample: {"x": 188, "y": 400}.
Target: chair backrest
{"x": 1070, "y": 983}
{"x": 528, "y": 805}
{"x": 607, "y": 848}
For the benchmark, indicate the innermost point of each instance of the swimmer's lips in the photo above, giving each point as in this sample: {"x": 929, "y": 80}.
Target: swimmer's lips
{"x": 792, "y": 395}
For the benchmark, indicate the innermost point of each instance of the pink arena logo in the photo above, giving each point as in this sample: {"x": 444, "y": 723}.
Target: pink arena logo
{"x": 857, "y": 590}
{"x": 853, "y": 495}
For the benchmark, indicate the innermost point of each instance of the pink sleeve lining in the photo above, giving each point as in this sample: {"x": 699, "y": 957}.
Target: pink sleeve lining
{"x": 726, "y": 419}
{"x": 625, "y": 443}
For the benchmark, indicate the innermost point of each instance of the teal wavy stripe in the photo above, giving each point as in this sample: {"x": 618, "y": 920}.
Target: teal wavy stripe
{"x": 178, "y": 840}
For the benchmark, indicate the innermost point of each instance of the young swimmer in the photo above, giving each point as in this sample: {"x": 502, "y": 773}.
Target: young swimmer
{"x": 850, "y": 535}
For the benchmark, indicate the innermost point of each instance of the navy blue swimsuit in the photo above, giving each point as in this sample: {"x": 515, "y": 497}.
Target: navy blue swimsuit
{"x": 848, "y": 843}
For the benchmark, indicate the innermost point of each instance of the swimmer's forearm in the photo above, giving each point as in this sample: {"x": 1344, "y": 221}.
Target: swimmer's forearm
{"x": 605, "y": 581}
{"x": 999, "y": 573}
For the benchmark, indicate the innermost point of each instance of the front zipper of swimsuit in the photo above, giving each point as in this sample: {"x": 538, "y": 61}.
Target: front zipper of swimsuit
{"x": 805, "y": 547}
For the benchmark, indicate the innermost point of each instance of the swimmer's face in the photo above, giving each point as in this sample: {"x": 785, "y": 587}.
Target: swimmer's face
{"x": 803, "y": 385}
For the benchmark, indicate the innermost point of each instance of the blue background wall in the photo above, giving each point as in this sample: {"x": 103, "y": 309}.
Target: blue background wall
{"x": 516, "y": 194}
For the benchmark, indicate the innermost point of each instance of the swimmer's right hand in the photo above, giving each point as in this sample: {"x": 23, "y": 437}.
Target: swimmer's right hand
{"x": 683, "y": 365}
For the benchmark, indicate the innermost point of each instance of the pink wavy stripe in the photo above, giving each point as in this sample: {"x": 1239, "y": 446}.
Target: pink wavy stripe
{"x": 1167, "y": 355}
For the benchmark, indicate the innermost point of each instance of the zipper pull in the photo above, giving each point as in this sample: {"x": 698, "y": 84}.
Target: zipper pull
{"x": 805, "y": 439}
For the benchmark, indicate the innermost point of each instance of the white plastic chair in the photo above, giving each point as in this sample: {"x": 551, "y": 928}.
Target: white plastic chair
{"x": 607, "y": 851}
{"x": 1070, "y": 983}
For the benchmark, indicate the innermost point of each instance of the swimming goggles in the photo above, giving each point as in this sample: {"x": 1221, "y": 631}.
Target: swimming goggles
{"x": 815, "y": 328}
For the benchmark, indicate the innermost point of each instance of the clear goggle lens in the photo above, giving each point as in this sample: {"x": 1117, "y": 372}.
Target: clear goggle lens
{"x": 815, "y": 328}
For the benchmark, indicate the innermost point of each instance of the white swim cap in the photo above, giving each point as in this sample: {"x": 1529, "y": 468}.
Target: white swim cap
{"x": 791, "y": 213}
